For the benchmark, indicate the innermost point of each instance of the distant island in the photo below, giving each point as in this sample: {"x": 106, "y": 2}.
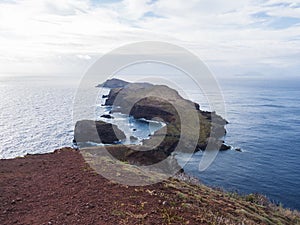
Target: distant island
{"x": 113, "y": 83}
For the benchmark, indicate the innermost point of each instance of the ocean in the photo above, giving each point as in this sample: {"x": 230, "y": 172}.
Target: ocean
{"x": 264, "y": 121}
{"x": 264, "y": 118}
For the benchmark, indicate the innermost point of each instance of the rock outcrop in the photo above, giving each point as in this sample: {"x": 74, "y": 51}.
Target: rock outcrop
{"x": 107, "y": 116}
{"x": 187, "y": 127}
{"x": 159, "y": 102}
{"x": 97, "y": 132}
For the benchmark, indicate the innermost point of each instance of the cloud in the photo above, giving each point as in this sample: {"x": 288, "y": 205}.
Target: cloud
{"x": 56, "y": 35}
{"x": 86, "y": 57}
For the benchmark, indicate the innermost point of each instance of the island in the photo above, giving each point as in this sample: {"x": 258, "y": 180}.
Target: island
{"x": 160, "y": 103}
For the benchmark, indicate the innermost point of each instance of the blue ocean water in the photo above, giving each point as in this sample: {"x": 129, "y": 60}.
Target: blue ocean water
{"x": 264, "y": 116}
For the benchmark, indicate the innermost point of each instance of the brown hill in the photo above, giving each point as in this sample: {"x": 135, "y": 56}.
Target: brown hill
{"x": 60, "y": 188}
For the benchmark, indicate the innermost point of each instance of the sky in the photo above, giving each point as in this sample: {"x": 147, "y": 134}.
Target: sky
{"x": 259, "y": 38}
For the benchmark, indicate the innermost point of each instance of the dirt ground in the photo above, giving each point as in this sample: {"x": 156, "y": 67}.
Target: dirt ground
{"x": 60, "y": 188}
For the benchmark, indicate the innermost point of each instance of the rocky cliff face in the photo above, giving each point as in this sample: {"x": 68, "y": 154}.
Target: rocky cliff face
{"x": 97, "y": 132}
{"x": 183, "y": 117}
{"x": 187, "y": 129}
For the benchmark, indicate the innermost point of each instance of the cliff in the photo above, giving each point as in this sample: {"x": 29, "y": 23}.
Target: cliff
{"x": 60, "y": 188}
{"x": 183, "y": 117}
{"x": 97, "y": 132}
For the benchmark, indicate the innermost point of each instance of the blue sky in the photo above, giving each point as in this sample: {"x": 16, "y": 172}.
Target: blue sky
{"x": 232, "y": 37}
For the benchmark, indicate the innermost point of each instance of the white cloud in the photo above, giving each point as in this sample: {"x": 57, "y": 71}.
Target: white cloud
{"x": 56, "y": 35}
{"x": 86, "y": 57}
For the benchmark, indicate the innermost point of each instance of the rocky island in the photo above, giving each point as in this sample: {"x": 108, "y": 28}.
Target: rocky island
{"x": 186, "y": 125}
{"x": 106, "y": 133}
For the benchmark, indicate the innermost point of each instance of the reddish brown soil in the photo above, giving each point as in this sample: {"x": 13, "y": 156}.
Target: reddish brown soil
{"x": 60, "y": 188}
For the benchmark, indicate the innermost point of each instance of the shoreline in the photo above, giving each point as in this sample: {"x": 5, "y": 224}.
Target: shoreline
{"x": 59, "y": 187}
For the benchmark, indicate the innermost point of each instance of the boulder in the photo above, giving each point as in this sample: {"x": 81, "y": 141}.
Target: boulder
{"x": 225, "y": 147}
{"x": 133, "y": 138}
{"x": 107, "y": 116}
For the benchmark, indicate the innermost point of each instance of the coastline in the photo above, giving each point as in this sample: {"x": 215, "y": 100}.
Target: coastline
{"x": 60, "y": 188}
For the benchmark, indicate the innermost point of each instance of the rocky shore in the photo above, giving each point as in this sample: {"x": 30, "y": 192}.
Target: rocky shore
{"x": 61, "y": 188}
{"x": 188, "y": 128}
{"x": 183, "y": 117}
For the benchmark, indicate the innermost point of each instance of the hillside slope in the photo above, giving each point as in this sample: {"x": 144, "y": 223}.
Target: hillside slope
{"x": 60, "y": 188}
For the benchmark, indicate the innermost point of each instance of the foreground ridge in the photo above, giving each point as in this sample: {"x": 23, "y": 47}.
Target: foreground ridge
{"x": 60, "y": 188}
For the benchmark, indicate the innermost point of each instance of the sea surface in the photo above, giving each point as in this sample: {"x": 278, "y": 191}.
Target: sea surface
{"x": 264, "y": 118}
{"x": 36, "y": 116}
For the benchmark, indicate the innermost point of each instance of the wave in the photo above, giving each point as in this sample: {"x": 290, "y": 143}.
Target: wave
{"x": 272, "y": 106}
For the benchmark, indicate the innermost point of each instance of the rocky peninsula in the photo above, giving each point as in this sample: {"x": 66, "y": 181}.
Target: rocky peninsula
{"x": 186, "y": 125}
{"x": 160, "y": 102}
